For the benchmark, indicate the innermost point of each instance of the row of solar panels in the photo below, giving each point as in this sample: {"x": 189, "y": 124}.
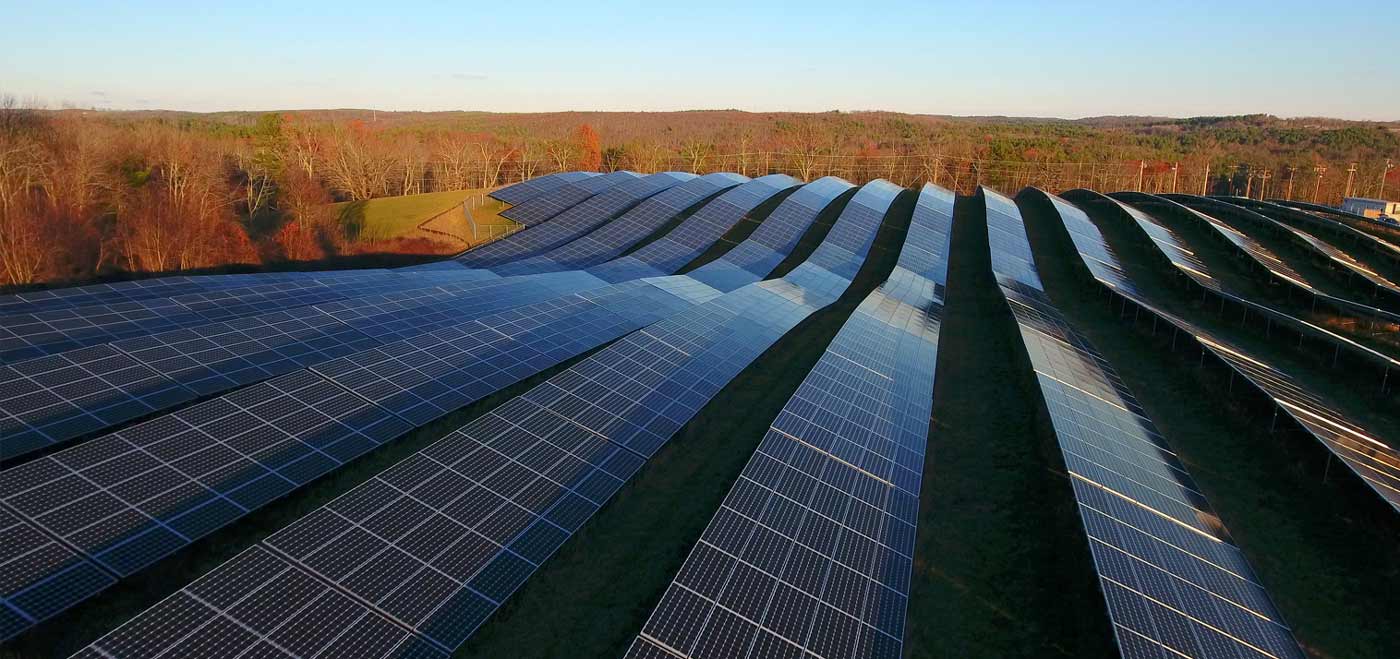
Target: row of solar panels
{"x": 856, "y": 448}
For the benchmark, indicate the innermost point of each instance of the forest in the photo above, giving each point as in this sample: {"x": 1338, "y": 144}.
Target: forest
{"x": 88, "y": 195}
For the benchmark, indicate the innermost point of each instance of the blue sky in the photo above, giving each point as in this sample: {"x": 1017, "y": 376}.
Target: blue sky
{"x": 1062, "y": 59}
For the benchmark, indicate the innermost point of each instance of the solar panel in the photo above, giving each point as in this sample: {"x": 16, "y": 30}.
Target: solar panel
{"x": 526, "y": 190}
{"x": 574, "y": 222}
{"x": 774, "y": 239}
{"x": 553, "y": 202}
{"x": 440, "y": 539}
{"x": 812, "y": 550}
{"x": 52, "y": 399}
{"x": 695, "y": 234}
{"x": 1173, "y": 581}
{"x": 28, "y": 551}
{"x": 612, "y": 238}
{"x": 1341, "y": 221}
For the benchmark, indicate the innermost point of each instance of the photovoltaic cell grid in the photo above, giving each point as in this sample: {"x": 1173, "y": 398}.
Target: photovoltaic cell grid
{"x": 612, "y": 238}
{"x": 769, "y": 244}
{"x": 526, "y": 190}
{"x": 436, "y": 542}
{"x": 47, "y": 332}
{"x": 52, "y": 399}
{"x": 811, "y": 553}
{"x": 125, "y": 500}
{"x": 695, "y": 234}
{"x": 553, "y": 202}
{"x": 1174, "y": 583}
{"x": 1375, "y": 462}
{"x": 572, "y": 223}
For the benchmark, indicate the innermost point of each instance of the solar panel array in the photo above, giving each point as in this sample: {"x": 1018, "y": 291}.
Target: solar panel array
{"x": 545, "y": 206}
{"x": 695, "y": 234}
{"x": 1340, "y": 220}
{"x": 1343, "y": 259}
{"x": 612, "y": 238}
{"x": 1174, "y": 582}
{"x": 770, "y": 243}
{"x": 526, "y": 190}
{"x": 812, "y": 550}
{"x": 437, "y": 542}
{"x": 574, "y": 222}
{"x": 420, "y": 379}
{"x": 1376, "y": 463}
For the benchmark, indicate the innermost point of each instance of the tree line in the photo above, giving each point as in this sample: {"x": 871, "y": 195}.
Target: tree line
{"x": 85, "y": 194}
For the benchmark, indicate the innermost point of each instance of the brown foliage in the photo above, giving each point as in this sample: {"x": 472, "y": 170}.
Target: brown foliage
{"x": 589, "y": 148}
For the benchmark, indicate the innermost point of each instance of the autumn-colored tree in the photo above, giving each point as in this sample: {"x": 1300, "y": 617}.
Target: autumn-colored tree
{"x": 589, "y": 148}
{"x": 310, "y": 229}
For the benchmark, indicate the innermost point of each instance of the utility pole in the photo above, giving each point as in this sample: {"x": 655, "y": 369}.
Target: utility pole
{"x": 1142, "y": 167}
{"x": 1248, "y": 184}
{"x": 1176, "y": 165}
{"x": 1350, "y": 171}
{"x": 1205, "y": 181}
{"x": 1385, "y": 170}
{"x": 1320, "y": 171}
{"x": 1289, "y": 194}
{"x": 1264, "y": 184}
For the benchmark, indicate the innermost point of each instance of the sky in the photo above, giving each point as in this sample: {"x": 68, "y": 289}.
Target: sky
{"x": 1046, "y": 59}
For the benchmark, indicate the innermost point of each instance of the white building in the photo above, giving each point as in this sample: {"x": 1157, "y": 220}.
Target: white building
{"x": 1372, "y": 208}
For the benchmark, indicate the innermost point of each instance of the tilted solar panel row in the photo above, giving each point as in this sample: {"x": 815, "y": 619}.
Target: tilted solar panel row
{"x": 145, "y": 289}
{"x": 1374, "y": 462}
{"x": 1317, "y": 225}
{"x": 434, "y": 544}
{"x": 1358, "y": 227}
{"x": 415, "y": 378}
{"x": 1269, "y": 260}
{"x": 812, "y": 550}
{"x": 573, "y": 222}
{"x": 1375, "y": 285}
{"x": 529, "y": 189}
{"x": 612, "y": 238}
{"x": 545, "y": 206}
{"x": 1174, "y": 582}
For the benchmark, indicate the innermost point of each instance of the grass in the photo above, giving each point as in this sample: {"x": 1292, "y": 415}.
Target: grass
{"x": 388, "y": 218}
{"x": 1324, "y": 550}
{"x": 1001, "y": 567}
{"x": 81, "y": 625}
{"x": 597, "y": 592}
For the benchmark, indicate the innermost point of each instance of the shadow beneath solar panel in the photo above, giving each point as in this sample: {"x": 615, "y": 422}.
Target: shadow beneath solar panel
{"x": 1000, "y": 565}
{"x": 86, "y": 622}
{"x": 1323, "y": 547}
{"x": 598, "y": 590}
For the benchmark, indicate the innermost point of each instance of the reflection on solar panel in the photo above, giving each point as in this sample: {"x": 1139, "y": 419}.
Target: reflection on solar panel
{"x": 553, "y": 202}
{"x": 1174, "y": 582}
{"x": 574, "y": 222}
{"x": 526, "y": 190}
{"x": 612, "y": 238}
{"x": 695, "y": 234}
{"x": 1375, "y": 462}
{"x": 438, "y": 541}
{"x": 812, "y": 550}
